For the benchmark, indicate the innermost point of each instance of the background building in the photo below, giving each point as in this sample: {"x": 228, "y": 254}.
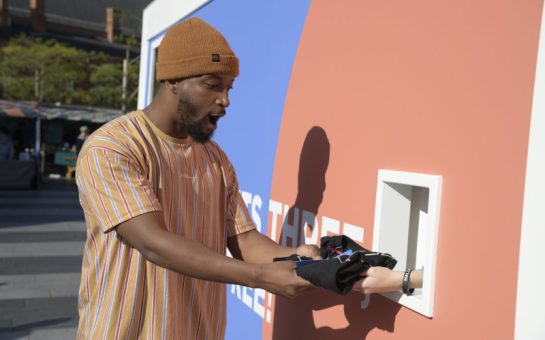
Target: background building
{"x": 97, "y": 25}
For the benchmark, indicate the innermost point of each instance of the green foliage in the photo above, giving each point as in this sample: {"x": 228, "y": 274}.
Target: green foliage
{"x": 106, "y": 85}
{"x": 48, "y": 71}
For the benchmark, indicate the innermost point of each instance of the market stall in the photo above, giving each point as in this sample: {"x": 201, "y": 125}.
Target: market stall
{"x": 22, "y": 122}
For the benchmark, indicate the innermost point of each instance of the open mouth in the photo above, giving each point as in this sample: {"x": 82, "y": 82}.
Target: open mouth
{"x": 213, "y": 120}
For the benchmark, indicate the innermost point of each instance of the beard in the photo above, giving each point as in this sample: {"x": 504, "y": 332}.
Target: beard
{"x": 195, "y": 131}
{"x": 194, "y": 128}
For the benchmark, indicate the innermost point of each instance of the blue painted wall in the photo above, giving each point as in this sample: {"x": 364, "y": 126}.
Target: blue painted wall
{"x": 265, "y": 36}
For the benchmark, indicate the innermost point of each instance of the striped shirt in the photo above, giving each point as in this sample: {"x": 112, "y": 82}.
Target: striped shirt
{"x": 129, "y": 167}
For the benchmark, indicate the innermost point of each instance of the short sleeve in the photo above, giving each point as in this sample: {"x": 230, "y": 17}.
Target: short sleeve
{"x": 238, "y": 217}
{"x": 112, "y": 188}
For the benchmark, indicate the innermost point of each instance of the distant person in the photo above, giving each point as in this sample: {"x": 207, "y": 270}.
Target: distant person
{"x": 25, "y": 155}
{"x": 83, "y": 133}
{"x": 6, "y": 145}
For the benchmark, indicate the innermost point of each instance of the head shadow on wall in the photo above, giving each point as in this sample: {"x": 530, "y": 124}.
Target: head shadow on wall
{"x": 295, "y": 318}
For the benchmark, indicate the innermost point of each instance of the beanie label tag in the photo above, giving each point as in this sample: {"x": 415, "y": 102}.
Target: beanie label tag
{"x": 215, "y": 58}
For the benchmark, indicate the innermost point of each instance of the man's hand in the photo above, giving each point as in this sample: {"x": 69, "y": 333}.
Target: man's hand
{"x": 280, "y": 278}
{"x": 309, "y": 250}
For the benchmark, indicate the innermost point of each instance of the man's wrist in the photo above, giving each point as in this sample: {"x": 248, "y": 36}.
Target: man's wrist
{"x": 256, "y": 272}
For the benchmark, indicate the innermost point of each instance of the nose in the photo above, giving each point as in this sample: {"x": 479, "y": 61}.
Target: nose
{"x": 223, "y": 99}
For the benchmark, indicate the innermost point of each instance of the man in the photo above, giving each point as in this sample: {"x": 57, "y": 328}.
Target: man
{"x": 161, "y": 205}
{"x": 80, "y": 139}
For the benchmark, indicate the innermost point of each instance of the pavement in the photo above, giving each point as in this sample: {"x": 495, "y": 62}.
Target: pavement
{"x": 42, "y": 234}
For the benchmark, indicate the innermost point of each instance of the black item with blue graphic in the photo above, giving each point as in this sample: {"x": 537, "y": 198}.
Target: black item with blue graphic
{"x": 343, "y": 262}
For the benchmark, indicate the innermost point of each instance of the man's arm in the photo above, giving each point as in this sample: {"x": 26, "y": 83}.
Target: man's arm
{"x": 254, "y": 247}
{"x": 148, "y": 234}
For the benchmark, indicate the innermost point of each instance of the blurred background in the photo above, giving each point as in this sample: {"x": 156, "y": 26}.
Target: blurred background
{"x": 64, "y": 65}
{"x": 66, "y": 68}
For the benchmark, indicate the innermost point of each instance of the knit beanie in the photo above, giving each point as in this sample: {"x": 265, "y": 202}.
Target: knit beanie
{"x": 193, "y": 48}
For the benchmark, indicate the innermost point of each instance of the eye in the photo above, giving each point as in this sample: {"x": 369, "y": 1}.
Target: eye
{"x": 213, "y": 86}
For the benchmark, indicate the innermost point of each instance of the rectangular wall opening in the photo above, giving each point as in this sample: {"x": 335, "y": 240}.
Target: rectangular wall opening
{"x": 406, "y": 223}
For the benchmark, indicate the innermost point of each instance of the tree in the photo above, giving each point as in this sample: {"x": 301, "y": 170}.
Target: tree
{"x": 105, "y": 88}
{"x": 31, "y": 68}
{"x": 48, "y": 71}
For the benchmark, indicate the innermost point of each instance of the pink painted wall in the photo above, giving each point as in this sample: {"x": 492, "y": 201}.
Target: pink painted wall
{"x": 423, "y": 86}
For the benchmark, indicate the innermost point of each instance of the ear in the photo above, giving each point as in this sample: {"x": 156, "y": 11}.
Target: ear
{"x": 172, "y": 86}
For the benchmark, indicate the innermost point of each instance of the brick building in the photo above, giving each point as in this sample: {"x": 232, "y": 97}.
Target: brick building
{"x": 95, "y": 25}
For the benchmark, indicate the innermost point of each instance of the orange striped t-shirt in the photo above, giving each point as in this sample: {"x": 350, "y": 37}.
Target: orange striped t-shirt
{"x": 129, "y": 167}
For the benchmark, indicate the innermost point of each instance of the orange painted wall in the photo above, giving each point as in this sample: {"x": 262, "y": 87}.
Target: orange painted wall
{"x": 423, "y": 86}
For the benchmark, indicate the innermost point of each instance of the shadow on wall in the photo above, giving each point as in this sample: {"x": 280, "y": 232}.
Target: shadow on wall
{"x": 321, "y": 314}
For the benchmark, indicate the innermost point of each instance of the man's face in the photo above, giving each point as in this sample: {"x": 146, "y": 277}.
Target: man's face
{"x": 201, "y": 103}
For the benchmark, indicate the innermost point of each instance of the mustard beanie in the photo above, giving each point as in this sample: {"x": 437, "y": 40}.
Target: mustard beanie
{"x": 193, "y": 48}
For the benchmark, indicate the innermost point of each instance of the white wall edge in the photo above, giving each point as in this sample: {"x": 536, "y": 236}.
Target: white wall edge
{"x": 531, "y": 277}
{"x": 161, "y": 14}
{"x": 158, "y": 16}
